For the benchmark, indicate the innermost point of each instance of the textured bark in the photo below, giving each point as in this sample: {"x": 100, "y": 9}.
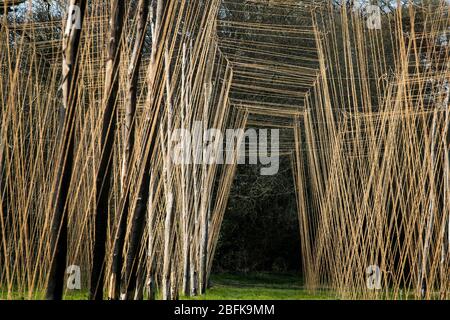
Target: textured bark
{"x": 185, "y": 182}
{"x": 174, "y": 289}
{"x": 431, "y": 212}
{"x": 71, "y": 42}
{"x": 151, "y": 223}
{"x": 160, "y": 5}
{"x": 137, "y": 229}
{"x": 193, "y": 274}
{"x": 204, "y": 250}
{"x": 186, "y": 266}
{"x": 204, "y": 207}
{"x": 169, "y": 192}
{"x": 445, "y": 253}
{"x": 107, "y": 140}
{"x": 131, "y": 100}
{"x": 144, "y": 183}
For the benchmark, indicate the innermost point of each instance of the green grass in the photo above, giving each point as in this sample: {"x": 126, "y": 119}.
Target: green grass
{"x": 261, "y": 286}
{"x": 255, "y": 286}
{"x": 68, "y": 295}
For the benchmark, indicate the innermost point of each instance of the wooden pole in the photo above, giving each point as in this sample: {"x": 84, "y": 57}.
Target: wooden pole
{"x": 104, "y": 172}
{"x": 70, "y": 69}
{"x": 129, "y": 132}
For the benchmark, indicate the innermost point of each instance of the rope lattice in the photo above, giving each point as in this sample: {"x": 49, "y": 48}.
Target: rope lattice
{"x": 364, "y": 117}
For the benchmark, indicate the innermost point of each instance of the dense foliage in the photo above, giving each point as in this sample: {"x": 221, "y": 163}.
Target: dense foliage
{"x": 260, "y": 230}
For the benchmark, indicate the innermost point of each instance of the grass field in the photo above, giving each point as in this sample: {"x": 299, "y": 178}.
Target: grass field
{"x": 261, "y": 286}
{"x": 255, "y": 286}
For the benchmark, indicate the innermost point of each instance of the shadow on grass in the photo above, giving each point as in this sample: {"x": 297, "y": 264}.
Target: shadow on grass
{"x": 260, "y": 286}
{"x": 254, "y": 286}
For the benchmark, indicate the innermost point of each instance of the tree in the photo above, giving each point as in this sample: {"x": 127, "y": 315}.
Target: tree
{"x": 129, "y": 131}
{"x": 143, "y": 184}
{"x": 71, "y": 43}
{"x": 168, "y": 187}
{"x": 107, "y": 140}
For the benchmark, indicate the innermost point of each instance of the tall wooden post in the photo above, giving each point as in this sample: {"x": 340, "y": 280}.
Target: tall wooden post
{"x": 70, "y": 68}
